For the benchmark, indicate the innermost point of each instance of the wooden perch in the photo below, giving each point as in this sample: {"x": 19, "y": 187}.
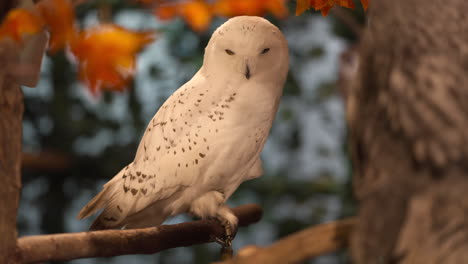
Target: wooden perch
{"x": 300, "y": 246}
{"x": 108, "y": 243}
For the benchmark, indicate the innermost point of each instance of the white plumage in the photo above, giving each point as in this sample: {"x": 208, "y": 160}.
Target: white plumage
{"x": 207, "y": 137}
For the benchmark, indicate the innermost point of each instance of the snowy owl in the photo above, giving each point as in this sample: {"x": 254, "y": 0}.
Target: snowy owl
{"x": 206, "y": 139}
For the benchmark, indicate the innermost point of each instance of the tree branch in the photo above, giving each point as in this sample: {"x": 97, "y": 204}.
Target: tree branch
{"x": 300, "y": 246}
{"x": 47, "y": 161}
{"x": 108, "y": 243}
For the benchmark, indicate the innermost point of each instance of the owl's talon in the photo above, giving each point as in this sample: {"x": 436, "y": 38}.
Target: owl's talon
{"x": 219, "y": 241}
{"x": 230, "y": 231}
{"x": 226, "y": 240}
{"x": 226, "y": 252}
{"x": 226, "y": 246}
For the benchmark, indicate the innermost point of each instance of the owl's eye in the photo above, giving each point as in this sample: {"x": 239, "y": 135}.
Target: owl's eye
{"x": 265, "y": 51}
{"x": 229, "y": 52}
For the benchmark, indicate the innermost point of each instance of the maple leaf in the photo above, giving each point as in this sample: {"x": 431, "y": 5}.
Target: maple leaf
{"x": 166, "y": 12}
{"x": 106, "y": 55}
{"x": 59, "y": 17}
{"x": 197, "y": 13}
{"x": 323, "y": 5}
{"x": 365, "y": 4}
{"x": 230, "y": 8}
{"x": 20, "y": 21}
{"x": 277, "y": 8}
{"x": 302, "y": 6}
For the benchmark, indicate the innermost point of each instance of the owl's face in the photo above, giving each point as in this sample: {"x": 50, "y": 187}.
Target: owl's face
{"x": 250, "y": 48}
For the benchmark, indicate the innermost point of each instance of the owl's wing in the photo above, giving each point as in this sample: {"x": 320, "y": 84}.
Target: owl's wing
{"x": 163, "y": 166}
{"x": 256, "y": 170}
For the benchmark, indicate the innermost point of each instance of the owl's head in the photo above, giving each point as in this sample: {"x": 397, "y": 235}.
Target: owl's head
{"x": 247, "y": 47}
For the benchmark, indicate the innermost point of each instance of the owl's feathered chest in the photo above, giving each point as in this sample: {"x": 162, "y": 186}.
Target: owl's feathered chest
{"x": 232, "y": 102}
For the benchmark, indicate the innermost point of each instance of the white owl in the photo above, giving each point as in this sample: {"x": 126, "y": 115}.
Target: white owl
{"x": 207, "y": 137}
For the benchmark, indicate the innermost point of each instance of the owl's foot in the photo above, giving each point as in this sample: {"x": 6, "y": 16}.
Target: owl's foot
{"x": 229, "y": 222}
{"x": 230, "y": 232}
{"x": 226, "y": 252}
{"x": 225, "y": 241}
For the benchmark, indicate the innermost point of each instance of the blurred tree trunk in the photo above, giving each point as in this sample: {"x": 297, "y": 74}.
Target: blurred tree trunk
{"x": 408, "y": 117}
{"x": 11, "y": 112}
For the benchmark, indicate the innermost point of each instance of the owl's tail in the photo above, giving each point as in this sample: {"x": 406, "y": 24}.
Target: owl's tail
{"x": 95, "y": 204}
{"x": 105, "y": 200}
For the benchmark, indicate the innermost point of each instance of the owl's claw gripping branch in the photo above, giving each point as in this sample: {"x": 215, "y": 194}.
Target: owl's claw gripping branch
{"x": 226, "y": 246}
{"x": 225, "y": 240}
{"x": 230, "y": 231}
{"x": 226, "y": 252}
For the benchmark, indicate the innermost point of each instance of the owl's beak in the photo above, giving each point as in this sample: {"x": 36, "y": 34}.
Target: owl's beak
{"x": 247, "y": 71}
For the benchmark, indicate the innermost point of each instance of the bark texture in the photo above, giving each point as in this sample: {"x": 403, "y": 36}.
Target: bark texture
{"x": 11, "y": 113}
{"x": 408, "y": 117}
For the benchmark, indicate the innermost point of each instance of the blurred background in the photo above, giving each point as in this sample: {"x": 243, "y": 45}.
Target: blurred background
{"x": 86, "y": 140}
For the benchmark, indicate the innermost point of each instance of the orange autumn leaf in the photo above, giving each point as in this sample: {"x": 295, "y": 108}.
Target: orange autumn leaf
{"x": 197, "y": 14}
{"x": 323, "y": 5}
{"x": 166, "y": 12}
{"x": 326, "y": 5}
{"x": 365, "y": 4}
{"x": 106, "y": 55}
{"x": 230, "y": 8}
{"x": 302, "y": 6}
{"x": 277, "y": 8}
{"x": 18, "y": 22}
{"x": 59, "y": 16}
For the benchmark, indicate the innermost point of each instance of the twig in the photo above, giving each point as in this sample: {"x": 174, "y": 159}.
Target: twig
{"x": 108, "y": 243}
{"x": 300, "y": 246}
